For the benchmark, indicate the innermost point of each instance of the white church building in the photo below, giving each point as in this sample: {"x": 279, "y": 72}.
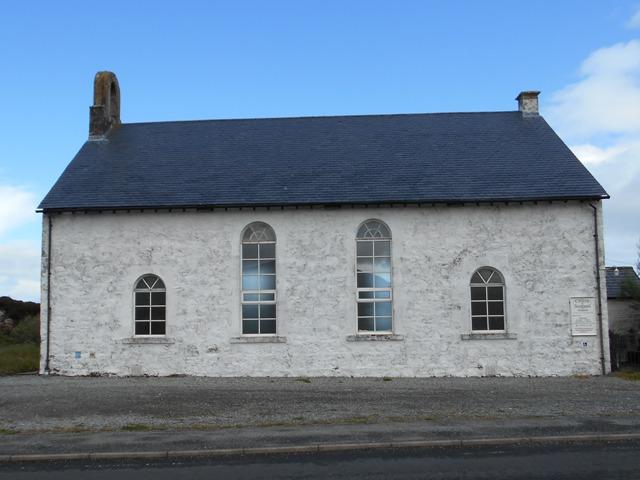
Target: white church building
{"x": 449, "y": 244}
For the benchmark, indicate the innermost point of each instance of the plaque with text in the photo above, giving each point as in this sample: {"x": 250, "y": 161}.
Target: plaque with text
{"x": 583, "y": 316}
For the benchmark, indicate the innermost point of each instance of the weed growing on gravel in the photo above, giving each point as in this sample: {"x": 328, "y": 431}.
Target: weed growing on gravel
{"x": 633, "y": 376}
{"x": 138, "y": 427}
{"x": 303, "y": 379}
{"x": 6, "y": 431}
{"x": 386, "y": 379}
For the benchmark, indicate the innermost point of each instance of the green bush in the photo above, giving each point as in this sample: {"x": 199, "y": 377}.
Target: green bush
{"x": 27, "y": 331}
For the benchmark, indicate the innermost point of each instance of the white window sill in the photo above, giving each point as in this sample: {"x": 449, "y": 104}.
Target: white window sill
{"x": 260, "y": 339}
{"x": 148, "y": 341}
{"x": 377, "y": 337}
{"x": 489, "y": 336}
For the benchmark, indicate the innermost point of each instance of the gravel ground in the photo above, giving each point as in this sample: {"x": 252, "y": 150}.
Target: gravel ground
{"x": 33, "y": 403}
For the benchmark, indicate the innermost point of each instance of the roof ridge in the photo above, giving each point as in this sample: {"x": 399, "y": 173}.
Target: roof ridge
{"x": 305, "y": 117}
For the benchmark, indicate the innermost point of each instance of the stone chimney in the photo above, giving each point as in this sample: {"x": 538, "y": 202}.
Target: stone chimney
{"x": 105, "y": 112}
{"x": 528, "y": 103}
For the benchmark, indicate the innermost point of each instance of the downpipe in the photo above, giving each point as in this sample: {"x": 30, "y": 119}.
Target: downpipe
{"x": 46, "y": 361}
{"x": 599, "y": 287}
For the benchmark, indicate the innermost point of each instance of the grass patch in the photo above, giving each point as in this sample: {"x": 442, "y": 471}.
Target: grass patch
{"x": 303, "y": 379}
{"x": 19, "y": 358}
{"x": 6, "y": 431}
{"x": 633, "y": 376}
{"x": 386, "y": 379}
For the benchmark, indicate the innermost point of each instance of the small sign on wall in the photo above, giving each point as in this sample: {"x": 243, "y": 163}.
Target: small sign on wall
{"x": 583, "y": 316}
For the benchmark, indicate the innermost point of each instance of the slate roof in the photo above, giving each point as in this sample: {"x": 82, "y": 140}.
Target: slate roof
{"x": 372, "y": 159}
{"x": 615, "y": 282}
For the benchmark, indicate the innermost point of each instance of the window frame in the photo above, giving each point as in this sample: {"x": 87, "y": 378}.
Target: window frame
{"x": 486, "y": 285}
{"x": 259, "y": 291}
{"x": 135, "y": 306}
{"x": 389, "y": 289}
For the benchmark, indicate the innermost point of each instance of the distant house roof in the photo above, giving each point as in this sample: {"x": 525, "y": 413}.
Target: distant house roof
{"x": 615, "y": 282}
{"x": 373, "y": 159}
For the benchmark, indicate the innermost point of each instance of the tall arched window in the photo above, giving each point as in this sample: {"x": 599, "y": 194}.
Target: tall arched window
{"x": 258, "y": 279}
{"x": 150, "y": 306}
{"x": 487, "y": 300}
{"x": 374, "y": 296}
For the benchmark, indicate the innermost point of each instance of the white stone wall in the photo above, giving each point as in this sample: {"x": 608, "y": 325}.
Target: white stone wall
{"x": 545, "y": 252}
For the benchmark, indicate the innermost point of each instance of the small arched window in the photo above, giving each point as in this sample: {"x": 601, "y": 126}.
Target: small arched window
{"x": 374, "y": 294}
{"x": 150, "y": 306}
{"x": 487, "y": 301}
{"x": 258, "y": 280}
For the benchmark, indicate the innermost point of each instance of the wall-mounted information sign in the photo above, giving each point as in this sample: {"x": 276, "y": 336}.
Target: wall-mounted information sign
{"x": 583, "y": 316}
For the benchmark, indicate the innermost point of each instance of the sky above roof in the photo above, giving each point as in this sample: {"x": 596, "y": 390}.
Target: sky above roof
{"x": 198, "y": 60}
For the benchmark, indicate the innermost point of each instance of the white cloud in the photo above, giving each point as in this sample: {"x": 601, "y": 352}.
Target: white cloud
{"x": 600, "y": 117}
{"x": 634, "y": 21}
{"x": 20, "y": 270}
{"x": 17, "y": 207}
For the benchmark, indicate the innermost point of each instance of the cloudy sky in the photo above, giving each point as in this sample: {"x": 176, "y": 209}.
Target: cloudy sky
{"x": 192, "y": 60}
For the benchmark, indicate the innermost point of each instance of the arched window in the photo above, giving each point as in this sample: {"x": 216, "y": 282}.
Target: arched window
{"x": 374, "y": 295}
{"x": 258, "y": 279}
{"x": 150, "y": 306}
{"x": 487, "y": 300}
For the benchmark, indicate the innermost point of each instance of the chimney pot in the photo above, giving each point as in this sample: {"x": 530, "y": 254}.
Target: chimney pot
{"x": 528, "y": 103}
{"x": 105, "y": 112}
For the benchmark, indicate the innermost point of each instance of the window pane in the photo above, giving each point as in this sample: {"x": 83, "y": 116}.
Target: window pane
{"x": 142, "y": 298}
{"x": 142, "y": 313}
{"x": 382, "y": 280}
{"x": 158, "y": 298}
{"x": 249, "y": 311}
{"x": 141, "y": 284}
{"x": 495, "y": 293}
{"x": 267, "y": 266}
{"x": 267, "y": 326}
{"x": 383, "y": 265}
{"x": 478, "y": 293}
{"x": 365, "y": 294}
{"x": 267, "y": 297}
{"x": 365, "y": 309}
{"x": 382, "y": 249}
{"x": 267, "y": 311}
{"x": 250, "y": 282}
{"x": 249, "y": 267}
{"x": 157, "y": 313}
{"x": 383, "y": 294}
{"x": 249, "y": 251}
{"x": 479, "y": 323}
{"x": 142, "y": 328}
{"x": 267, "y": 282}
{"x": 365, "y": 324}
{"x": 496, "y": 308}
{"x": 478, "y": 308}
{"x": 365, "y": 264}
{"x": 365, "y": 280}
{"x": 476, "y": 278}
{"x": 157, "y": 328}
{"x": 249, "y": 326}
{"x": 485, "y": 273}
{"x": 383, "y": 309}
{"x": 496, "y": 323}
{"x": 151, "y": 280}
{"x": 250, "y": 297}
{"x": 267, "y": 250}
{"x": 159, "y": 284}
{"x": 364, "y": 248}
{"x": 383, "y": 324}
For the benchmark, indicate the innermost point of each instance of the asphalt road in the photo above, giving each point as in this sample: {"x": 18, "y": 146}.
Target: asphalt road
{"x": 583, "y": 461}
